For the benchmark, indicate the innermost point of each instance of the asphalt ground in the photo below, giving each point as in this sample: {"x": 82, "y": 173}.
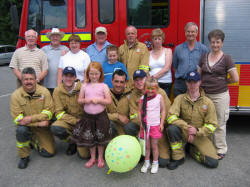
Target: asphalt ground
{"x": 62, "y": 170}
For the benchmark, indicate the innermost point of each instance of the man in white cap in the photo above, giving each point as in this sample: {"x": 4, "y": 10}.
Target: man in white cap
{"x": 29, "y": 56}
{"x": 53, "y": 51}
{"x": 97, "y": 50}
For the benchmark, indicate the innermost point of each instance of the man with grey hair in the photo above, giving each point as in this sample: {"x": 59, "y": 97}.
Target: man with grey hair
{"x": 97, "y": 50}
{"x": 32, "y": 108}
{"x": 133, "y": 54}
{"x": 186, "y": 57}
{"x": 29, "y": 56}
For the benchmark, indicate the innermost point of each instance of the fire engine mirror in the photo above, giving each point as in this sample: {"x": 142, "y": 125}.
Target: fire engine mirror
{"x": 57, "y": 2}
{"x": 14, "y": 17}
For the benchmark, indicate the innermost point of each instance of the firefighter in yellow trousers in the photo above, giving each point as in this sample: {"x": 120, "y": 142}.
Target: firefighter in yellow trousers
{"x": 131, "y": 110}
{"x": 67, "y": 110}
{"x": 192, "y": 119}
{"x": 32, "y": 108}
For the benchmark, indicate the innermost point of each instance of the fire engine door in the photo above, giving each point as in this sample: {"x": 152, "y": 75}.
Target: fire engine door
{"x": 89, "y": 14}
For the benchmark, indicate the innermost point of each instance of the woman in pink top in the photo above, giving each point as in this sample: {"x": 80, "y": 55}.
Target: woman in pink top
{"x": 153, "y": 111}
{"x": 93, "y": 129}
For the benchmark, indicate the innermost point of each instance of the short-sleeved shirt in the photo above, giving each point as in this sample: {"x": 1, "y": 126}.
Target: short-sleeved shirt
{"x": 25, "y": 57}
{"x": 214, "y": 79}
{"x": 80, "y": 61}
{"x": 109, "y": 69}
{"x": 53, "y": 55}
{"x": 185, "y": 60}
{"x": 96, "y": 55}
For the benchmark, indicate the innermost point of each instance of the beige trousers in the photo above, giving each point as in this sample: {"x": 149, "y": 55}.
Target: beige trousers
{"x": 221, "y": 102}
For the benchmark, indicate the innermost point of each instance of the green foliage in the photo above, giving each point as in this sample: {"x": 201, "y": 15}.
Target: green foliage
{"x": 7, "y": 35}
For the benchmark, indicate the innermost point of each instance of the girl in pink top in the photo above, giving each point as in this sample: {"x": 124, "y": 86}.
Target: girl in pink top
{"x": 93, "y": 130}
{"x": 152, "y": 116}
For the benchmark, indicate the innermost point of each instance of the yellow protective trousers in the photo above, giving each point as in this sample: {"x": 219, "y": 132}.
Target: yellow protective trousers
{"x": 38, "y": 137}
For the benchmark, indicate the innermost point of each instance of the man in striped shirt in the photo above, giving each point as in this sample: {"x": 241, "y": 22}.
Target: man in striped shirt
{"x": 29, "y": 56}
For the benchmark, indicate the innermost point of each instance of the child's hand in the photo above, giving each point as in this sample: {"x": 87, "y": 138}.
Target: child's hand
{"x": 87, "y": 101}
{"x": 95, "y": 100}
{"x": 80, "y": 101}
{"x": 161, "y": 128}
{"x": 138, "y": 134}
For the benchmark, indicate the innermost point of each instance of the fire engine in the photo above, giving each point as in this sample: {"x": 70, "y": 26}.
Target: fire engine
{"x": 81, "y": 17}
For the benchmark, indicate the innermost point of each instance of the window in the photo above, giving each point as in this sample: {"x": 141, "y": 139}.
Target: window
{"x": 47, "y": 14}
{"x": 106, "y": 11}
{"x": 148, "y": 13}
{"x": 80, "y": 6}
{"x": 2, "y": 50}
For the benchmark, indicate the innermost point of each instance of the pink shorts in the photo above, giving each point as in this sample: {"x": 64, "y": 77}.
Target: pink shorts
{"x": 154, "y": 132}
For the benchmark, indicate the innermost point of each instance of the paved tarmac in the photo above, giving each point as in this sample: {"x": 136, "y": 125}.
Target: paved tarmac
{"x": 69, "y": 171}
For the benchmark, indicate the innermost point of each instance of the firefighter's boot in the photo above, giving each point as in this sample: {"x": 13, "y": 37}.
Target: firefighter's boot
{"x": 175, "y": 163}
{"x": 71, "y": 149}
{"x": 23, "y": 162}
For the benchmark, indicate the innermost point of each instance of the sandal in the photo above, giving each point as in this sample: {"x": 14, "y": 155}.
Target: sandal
{"x": 90, "y": 163}
{"x": 221, "y": 156}
{"x": 101, "y": 163}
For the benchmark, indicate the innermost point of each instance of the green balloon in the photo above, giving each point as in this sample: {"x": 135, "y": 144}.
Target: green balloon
{"x": 123, "y": 153}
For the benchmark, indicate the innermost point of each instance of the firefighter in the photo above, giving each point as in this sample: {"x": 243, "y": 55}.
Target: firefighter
{"x": 133, "y": 126}
{"x": 67, "y": 110}
{"x": 32, "y": 108}
{"x": 119, "y": 100}
{"x": 192, "y": 119}
{"x": 133, "y": 54}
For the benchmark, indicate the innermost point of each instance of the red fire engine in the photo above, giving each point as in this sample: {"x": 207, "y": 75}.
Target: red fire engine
{"x": 83, "y": 16}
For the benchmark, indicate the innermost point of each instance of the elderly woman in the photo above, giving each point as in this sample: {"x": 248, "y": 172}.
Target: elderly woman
{"x": 53, "y": 52}
{"x": 75, "y": 58}
{"x": 214, "y": 68}
{"x": 160, "y": 61}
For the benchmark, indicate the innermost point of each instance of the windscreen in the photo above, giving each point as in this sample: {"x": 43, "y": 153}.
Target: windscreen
{"x": 47, "y": 14}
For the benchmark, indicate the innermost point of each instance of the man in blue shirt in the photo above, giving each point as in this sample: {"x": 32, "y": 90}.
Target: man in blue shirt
{"x": 186, "y": 57}
{"x": 97, "y": 50}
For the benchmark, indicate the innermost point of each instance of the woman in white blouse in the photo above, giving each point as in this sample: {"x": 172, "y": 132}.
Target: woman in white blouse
{"x": 75, "y": 58}
{"x": 160, "y": 61}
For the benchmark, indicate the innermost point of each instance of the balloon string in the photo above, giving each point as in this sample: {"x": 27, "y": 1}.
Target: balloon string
{"x": 109, "y": 171}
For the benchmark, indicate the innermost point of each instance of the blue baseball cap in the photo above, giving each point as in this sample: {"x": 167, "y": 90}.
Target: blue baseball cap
{"x": 193, "y": 75}
{"x": 139, "y": 73}
{"x": 69, "y": 70}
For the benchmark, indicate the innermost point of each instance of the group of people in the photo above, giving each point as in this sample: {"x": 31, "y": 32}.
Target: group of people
{"x": 108, "y": 91}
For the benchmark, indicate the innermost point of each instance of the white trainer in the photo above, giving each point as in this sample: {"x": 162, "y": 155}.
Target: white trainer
{"x": 145, "y": 167}
{"x": 154, "y": 168}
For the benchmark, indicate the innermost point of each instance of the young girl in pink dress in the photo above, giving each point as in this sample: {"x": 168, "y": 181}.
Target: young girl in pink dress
{"x": 152, "y": 117}
{"x": 93, "y": 130}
